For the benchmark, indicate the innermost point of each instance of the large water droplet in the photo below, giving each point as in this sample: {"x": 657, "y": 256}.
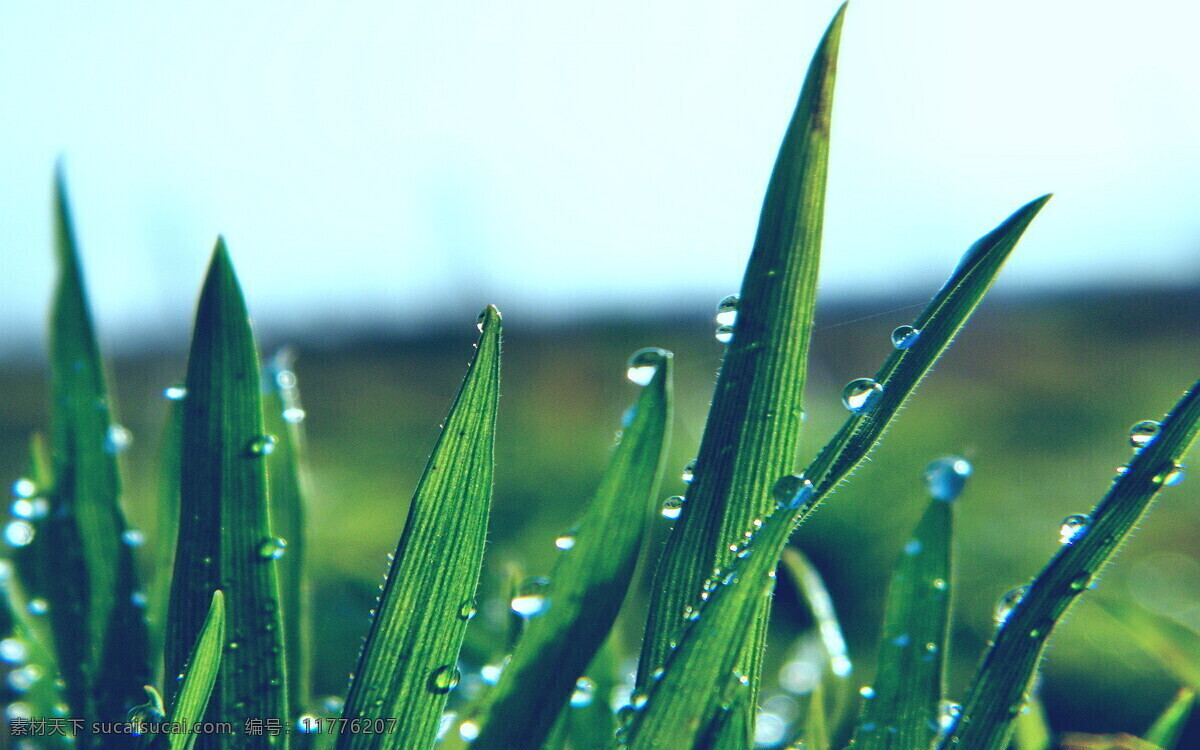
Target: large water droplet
{"x": 689, "y": 471}
{"x": 14, "y": 650}
{"x": 175, "y": 393}
{"x": 860, "y": 396}
{"x": 673, "y": 507}
{"x": 946, "y": 477}
{"x": 1171, "y": 476}
{"x": 444, "y": 679}
{"x": 117, "y": 438}
{"x": 793, "y": 491}
{"x": 727, "y": 311}
{"x": 263, "y": 445}
{"x": 1143, "y": 433}
{"x": 468, "y": 730}
{"x": 531, "y": 600}
{"x": 18, "y": 533}
{"x": 24, "y": 487}
{"x": 271, "y": 549}
{"x": 1009, "y": 602}
{"x": 584, "y": 693}
{"x": 905, "y": 336}
{"x": 644, "y": 363}
{"x": 1073, "y": 527}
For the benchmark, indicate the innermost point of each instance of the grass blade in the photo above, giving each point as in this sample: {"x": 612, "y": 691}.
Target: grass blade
{"x": 902, "y": 710}
{"x": 166, "y": 524}
{"x": 699, "y": 671}
{"x": 588, "y": 582}
{"x": 1168, "y": 727}
{"x": 225, "y": 540}
{"x": 284, "y": 418}
{"x": 200, "y": 675}
{"x": 407, "y": 665}
{"x": 811, "y": 590}
{"x": 997, "y": 692}
{"x": 1033, "y": 729}
{"x": 100, "y": 632}
{"x": 1175, "y": 645}
{"x": 753, "y": 430}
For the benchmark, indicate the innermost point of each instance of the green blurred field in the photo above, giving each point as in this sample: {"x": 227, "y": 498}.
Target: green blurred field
{"x": 1038, "y": 392}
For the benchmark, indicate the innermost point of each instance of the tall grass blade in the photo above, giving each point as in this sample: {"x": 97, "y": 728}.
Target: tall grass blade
{"x": 408, "y": 663}
{"x": 998, "y": 690}
{"x": 200, "y": 675}
{"x": 700, "y": 672}
{"x": 589, "y": 580}
{"x": 284, "y": 418}
{"x": 225, "y": 540}
{"x": 902, "y": 711}
{"x": 1175, "y": 645}
{"x": 100, "y": 631}
{"x": 1168, "y": 727}
{"x": 811, "y": 590}
{"x": 166, "y": 524}
{"x": 753, "y": 430}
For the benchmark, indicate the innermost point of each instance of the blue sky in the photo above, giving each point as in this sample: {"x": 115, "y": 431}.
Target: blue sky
{"x": 410, "y": 162}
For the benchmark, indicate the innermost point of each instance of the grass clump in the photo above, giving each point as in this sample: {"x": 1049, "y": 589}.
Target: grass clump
{"x": 231, "y": 622}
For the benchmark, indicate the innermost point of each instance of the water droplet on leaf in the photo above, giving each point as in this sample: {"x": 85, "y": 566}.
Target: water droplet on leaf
{"x": 1009, "y": 602}
{"x": 905, "y": 336}
{"x": 1073, "y": 527}
{"x": 584, "y": 693}
{"x": 672, "y": 507}
{"x": 444, "y": 679}
{"x": 264, "y": 445}
{"x": 727, "y": 310}
{"x": 644, "y": 363}
{"x": 531, "y": 600}
{"x": 689, "y": 471}
{"x": 1143, "y": 433}
{"x": 271, "y": 549}
{"x": 18, "y": 533}
{"x": 946, "y": 477}
{"x": 860, "y": 396}
{"x": 724, "y": 334}
{"x": 793, "y": 491}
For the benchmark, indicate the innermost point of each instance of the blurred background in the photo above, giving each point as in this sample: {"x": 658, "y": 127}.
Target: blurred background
{"x": 382, "y": 171}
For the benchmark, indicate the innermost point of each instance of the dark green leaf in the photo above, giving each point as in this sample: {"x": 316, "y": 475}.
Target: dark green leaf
{"x": 903, "y": 710}
{"x": 997, "y": 692}
{"x": 225, "y": 539}
{"x": 753, "y": 430}
{"x": 408, "y": 663}
{"x": 588, "y": 582}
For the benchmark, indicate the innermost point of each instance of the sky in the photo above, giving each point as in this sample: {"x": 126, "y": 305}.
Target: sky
{"x": 402, "y": 164}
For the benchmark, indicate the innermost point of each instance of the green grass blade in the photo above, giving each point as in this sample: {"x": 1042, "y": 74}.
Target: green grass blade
{"x": 903, "y": 708}
{"x": 166, "y": 524}
{"x": 1175, "y": 645}
{"x": 816, "y": 720}
{"x": 1008, "y": 667}
{"x": 284, "y": 419}
{"x": 810, "y": 589}
{"x": 225, "y": 539}
{"x": 100, "y": 632}
{"x": 407, "y": 666}
{"x": 200, "y": 675}
{"x": 902, "y": 371}
{"x": 1168, "y": 727}
{"x": 588, "y": 582}
{"x": 1032, "y": 728}
{"x": 753, "y": 430}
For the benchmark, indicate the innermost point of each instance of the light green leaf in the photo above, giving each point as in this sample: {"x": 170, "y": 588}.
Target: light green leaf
{"x": 408, "y": 663}
{"x": 903, "y": 709}
{"x": 1173, "y": 644}
{"x": 225, "y": 539}
{"x": 200, "y": 675}
{"x": 1168, "y": 727}
{"x": 589, "y": 580}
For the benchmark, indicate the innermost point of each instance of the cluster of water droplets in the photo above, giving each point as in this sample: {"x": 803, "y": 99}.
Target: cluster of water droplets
{"x": 28, "y": 507}
{"x": 946, "y": 477}
{"x": 726, "y": 317}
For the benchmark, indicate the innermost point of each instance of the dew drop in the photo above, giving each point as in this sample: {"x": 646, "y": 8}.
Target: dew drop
{"x": 271, "y": 549}
{"x": 1172, "y": 476}
{"x": 294, "y": 414}
{"x": 264, "y": 445}
{"x": 467, "y": 610}
{"x": 444, "y": 679}
{"x": 584, "y": 693}
{"x": 133, "y": 537}
{"x": 21, "y": 680}
{"x": 565, "y": 542}
{"x": 175, "y": 393}
{"x": 18, "y": 533}
{"x": 531, "y": 600}
{"x": 30, "y": 508}
{"x": 689, "y": 471}
{"x": 905, "y": 336}
{"x": 867, "y": 692}
{"x": 1073, "y": 528}
{"x": 14, "y": 650}
{"x": 727, "y": 310}
{"x": 480, "y": 319}
{"x": 490, "y": 673}
{"x": 948, "y": 713}
{"x": 912, "y": 547}
{"x": 672, "y": 507}
{"x": 1143, "y": 433}
{"x": 644, "y": 363}
{"x": 24, "y": 487}
{"x": 38, "y": 606}
{"x": 860, "y": 396}
{"x": 468, "y": 730}
{"x": 18, "y": 710}
{"x": 946, "y": 477}
{"x": 117, "y": 438}
{"x": 940, "y": 584}
{"x": 1081, "y": 581}
{"x": 793, "y": 491}
{"x": 1009, "y": 602}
